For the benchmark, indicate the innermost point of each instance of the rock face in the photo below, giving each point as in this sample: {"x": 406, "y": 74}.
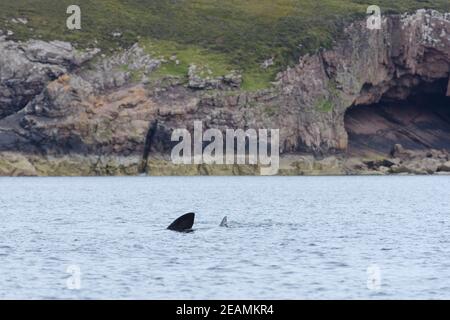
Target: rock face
{"x": 56, "y": 102}
{"x": 369, "y": 65}
{"x": 26, "y": 68}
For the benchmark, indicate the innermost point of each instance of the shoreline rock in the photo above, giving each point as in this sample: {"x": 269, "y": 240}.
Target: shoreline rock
{"x": 412, "y": 163}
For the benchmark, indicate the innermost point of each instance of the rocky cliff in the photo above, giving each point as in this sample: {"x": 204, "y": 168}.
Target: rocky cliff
{"x": 66, "y": 112}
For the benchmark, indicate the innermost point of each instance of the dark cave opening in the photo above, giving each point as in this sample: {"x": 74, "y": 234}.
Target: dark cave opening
{"x": 419, "y": 122}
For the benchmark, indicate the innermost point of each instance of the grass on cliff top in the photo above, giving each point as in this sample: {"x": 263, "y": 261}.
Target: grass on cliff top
{"x": 180, "y": 56}
{"x": 221, "y": 34}
{"x": 210, "y": 63}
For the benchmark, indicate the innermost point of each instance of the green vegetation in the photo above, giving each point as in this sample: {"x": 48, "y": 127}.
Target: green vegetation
{"x": 180, "y": 56}
{"x": 271, "y": 111}
{"x": 324, "y": 105}
{"x": 220, "y": 35}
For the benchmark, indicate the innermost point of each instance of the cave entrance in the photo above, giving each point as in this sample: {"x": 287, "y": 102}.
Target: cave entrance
{"x": 419, "y": 122}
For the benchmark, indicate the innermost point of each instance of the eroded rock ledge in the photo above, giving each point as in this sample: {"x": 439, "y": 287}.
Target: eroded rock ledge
{"x": 62, "y": 110}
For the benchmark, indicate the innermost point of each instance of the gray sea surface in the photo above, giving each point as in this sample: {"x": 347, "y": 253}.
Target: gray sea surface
{"x": 288, "y": 238}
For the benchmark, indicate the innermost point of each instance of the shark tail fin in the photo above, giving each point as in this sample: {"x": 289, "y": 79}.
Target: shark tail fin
{"x": 224, "y": 222}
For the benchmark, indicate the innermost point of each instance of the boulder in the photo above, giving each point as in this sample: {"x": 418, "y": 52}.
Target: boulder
{"x": 13, "y": 164}
{"x": 445, "y": 167}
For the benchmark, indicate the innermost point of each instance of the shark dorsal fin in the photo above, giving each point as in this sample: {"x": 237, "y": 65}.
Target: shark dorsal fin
{"x": 183, "y": 223}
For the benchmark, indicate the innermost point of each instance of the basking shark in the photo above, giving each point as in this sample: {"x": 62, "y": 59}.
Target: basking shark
{"x": 183, "y": 223}
{"x": 186, "y": 221}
